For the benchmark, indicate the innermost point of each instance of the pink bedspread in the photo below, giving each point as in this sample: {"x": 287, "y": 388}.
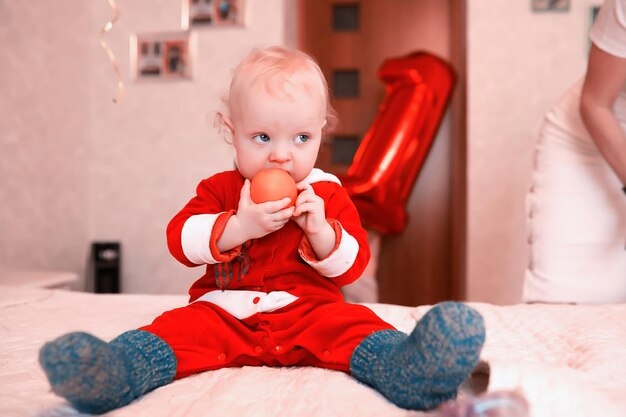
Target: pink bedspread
{"x": 567, "y": 360}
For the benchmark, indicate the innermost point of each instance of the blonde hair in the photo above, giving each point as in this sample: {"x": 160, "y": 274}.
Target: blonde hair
{"x": 278, "y": 68}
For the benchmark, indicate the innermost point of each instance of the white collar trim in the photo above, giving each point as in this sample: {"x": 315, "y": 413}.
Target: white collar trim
{"x": 317, "y": 175}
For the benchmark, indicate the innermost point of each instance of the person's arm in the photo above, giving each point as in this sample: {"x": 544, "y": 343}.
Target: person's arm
{"x": 310, "y": 215}
{"x": 253, "y": 221}
{"x": 345, "y": 243}
{"x": 606, "y": 76}
{"x": 207, "y": 232}
{"x": 192, "y": 232}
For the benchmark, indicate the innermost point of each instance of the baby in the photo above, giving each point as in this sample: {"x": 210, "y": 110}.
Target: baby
{"x": 271, "y": 295}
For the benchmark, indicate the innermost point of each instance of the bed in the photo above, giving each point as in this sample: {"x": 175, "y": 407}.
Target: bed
{"x": 565, "y": 360}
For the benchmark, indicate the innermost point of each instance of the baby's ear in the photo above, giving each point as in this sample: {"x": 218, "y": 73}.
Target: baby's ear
{"x": 228, "y": 123}
{"x": 224, "y": 126}
{"x": 223, "y": 122}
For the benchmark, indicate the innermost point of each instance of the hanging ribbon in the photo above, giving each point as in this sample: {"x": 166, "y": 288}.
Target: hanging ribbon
{"x": 105, "y": 46}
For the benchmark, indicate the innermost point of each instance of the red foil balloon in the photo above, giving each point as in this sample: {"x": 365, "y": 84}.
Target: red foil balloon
{"x": 391, "y": 155}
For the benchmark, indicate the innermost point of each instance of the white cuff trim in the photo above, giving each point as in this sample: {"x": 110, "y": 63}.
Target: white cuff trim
{"x": 242, "y": 304}
{"x": 339, "y": 261}
{"x": 196, "y": 236}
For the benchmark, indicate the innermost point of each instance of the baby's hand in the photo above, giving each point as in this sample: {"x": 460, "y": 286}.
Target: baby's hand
{"x": 310, "y": 213}
{"x": 257, "y": 220}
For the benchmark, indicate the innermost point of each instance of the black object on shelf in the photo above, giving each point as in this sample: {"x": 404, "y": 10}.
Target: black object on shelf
{"x": 106, "y": 258}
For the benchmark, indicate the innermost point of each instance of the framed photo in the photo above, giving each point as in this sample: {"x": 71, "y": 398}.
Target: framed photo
{"x": 161, "y": 56}
{"x": 199, "y": 13}
{"x": 550, "y": 5}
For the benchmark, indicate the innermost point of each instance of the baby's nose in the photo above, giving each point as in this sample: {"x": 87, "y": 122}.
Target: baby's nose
{"x": 280, "y": 154}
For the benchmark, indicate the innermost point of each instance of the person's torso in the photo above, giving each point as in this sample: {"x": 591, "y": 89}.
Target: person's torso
{"x": 270, "y": 263}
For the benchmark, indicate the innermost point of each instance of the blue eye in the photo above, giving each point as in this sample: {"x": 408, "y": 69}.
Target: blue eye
{"x": 302, "y": 138}
{"x": 261, "y": 137}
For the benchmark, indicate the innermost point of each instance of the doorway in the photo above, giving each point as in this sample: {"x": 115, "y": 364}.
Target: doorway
{"x": 350, "y": 39}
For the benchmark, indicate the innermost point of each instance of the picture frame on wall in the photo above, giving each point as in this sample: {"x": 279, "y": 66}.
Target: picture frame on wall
{"x": 550, "y": 5}
{"x": 212, "y": 13}
{"x": 161, "y": 56}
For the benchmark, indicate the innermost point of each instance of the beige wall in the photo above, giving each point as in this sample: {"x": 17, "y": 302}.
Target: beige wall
{"x": 76, "y": 167}
{"x": 45, "y": 96}
{"x": 518, "y": 63}
{"x": 150, "y": 152}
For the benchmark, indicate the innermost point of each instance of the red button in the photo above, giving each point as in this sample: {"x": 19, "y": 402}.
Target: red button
{"x": 258, "y": 349}
{"x": 256, "y": 300}
{"x": 327, "y": 353}
{"x": 221, "y": 357}
{"x": 279, "y": 349}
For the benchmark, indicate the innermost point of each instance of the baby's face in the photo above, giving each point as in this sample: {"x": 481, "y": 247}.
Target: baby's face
{"x": 277, "y": 130}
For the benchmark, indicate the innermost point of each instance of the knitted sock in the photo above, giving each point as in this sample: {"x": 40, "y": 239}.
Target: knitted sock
{"x": 95, "y": 376}
{"x": 421, "y": 370}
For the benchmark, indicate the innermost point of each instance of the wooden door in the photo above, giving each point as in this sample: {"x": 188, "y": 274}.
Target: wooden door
{"x": 350, "y": 39}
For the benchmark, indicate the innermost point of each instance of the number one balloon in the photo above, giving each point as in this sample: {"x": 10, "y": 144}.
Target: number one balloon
{"x": 392, "y": 153}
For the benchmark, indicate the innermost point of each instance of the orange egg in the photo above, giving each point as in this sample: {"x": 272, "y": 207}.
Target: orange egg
{"x": 273, "y": 184}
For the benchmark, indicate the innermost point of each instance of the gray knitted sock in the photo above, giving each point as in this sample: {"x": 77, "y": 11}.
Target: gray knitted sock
{"x": 421, "y": 370}
{"x": 95, "y": 376}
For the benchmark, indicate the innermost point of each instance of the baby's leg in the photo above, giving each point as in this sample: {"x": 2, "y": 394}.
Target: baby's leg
{"x": 204, "y": 337}
{"x": 95, "y": 376}
{"x": 423, "y": 369}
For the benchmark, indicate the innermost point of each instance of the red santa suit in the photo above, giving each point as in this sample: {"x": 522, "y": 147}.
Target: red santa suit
{"x": 269, "y": 301}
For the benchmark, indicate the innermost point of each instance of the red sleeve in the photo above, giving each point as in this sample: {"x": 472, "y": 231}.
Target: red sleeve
{"x": 344, "y": 264}
{"x": 206, "y": 215}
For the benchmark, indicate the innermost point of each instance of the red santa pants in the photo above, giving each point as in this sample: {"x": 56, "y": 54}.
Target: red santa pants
{"x": 205, "y": 337}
